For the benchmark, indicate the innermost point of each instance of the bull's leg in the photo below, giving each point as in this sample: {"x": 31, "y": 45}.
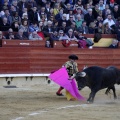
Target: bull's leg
{"x": 107, "y": 91}
{"x": 114, "y": 92}
{"x": 91, "y": 97}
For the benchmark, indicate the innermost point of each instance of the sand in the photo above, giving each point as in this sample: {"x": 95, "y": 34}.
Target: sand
{"x": 39, "y": 102}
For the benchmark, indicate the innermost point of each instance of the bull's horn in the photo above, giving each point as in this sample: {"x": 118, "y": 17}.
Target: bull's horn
{"x": 82, "y": 74}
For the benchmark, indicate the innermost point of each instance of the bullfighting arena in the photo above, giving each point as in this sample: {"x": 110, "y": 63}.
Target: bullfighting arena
{"x": 39, "y": 102}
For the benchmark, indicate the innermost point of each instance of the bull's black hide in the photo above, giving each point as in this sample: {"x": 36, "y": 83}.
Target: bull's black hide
{"x": 97, "y": 78}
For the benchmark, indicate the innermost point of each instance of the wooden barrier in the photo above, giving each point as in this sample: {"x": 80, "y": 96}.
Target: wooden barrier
{"x": 34, "y": 60}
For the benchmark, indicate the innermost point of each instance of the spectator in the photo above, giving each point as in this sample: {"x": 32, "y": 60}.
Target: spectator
{"x": 101, "y": 5}
{"x": 109, "y": 20}
{"x": 92, "y": 28}
{"x": 106, "y": 29}
{"x": 25, "y": 27}
{"x": 41, "y": 26}
{"x": 16, "y": 18}
{"x": 78, "y": 21}
{"x": 47, "y": 30}
{"x": 89, "y": 17}
{"x": 63, "y": 27}
{"x": 59, "y": 15}
{"x": 84, "y": 28}
{"x": 8, "y": 16}
{"x": 116, "y": 12}
{"x": 4, "y": 24}
{"x": 33, "y": 27}
{"x": 1, "y": 36}
{"x": 70, "y": 35}
{"x": 71, "y": 19}
{"x": 79, "y": 12}
{"x": 10, "y": 34}
{"x": 34, "y": 36}
{"x": 56, "y": 8}
{"x": 15, "y": 26}
{"x": 114, "y": 44}
{"x": 20, "y": 35}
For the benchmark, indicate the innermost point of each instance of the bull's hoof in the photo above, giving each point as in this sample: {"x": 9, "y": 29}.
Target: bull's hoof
{"x": 89, "y": 102}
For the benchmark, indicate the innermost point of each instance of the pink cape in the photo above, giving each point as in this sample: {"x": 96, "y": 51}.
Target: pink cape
{"x": 61, "y": 78}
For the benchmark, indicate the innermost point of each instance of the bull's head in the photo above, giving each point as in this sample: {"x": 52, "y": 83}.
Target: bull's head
{"x": 81, "y": 80}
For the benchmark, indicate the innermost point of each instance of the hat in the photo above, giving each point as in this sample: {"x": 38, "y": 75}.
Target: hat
{"x": 73, "y": 57}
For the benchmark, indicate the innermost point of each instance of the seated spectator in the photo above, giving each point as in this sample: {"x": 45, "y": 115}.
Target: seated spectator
{"x": 34, "y": 36}
{"x": 10, "y": 34}
{"x": 78, "y": 21}
{"x": 20, "y": 35}
{"x": 25, "y": 27}
{"x": 63, "y": 27}
{"x": 1, "y": 35}
{"x": 106, "y": 29}
{"x": 47, "y": 30}
{"x": 99, "y": 29}
{"x": 15, "y": 26}
{"x": 33, "y": 27}
{"x": 84, "y": 28}
{"x": 114, "y": 44}
{"x": 16, "y": 17}
{"x": 70, "y": 35}
{"x": 109, "y": 20}
{"x": 4, "y": 26}
{"x": 62, "y": 36}
{"x": 92, "y": 28}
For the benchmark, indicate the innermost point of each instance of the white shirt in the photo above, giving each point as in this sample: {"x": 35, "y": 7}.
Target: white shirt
{"x": 110, "y": 22}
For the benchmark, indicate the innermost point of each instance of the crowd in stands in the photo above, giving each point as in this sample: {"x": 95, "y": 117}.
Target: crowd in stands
{"x": 59, "y": 19}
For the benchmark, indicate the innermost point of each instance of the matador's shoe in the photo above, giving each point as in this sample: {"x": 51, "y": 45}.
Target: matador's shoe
{"x": 59, "y": 94}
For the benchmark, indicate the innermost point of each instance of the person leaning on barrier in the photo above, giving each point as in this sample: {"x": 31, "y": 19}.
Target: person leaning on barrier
{"x": 114, "y": 44}
{"x": 34, "y": 36}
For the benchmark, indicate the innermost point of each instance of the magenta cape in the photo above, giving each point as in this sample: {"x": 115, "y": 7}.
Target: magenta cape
{"x": 61, "y": 78}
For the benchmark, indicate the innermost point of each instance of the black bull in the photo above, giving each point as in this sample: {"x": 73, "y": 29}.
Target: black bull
{"x": 97, "y": 78}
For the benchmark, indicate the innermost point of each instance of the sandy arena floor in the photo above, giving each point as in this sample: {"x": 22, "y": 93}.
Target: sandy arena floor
{"x": 40, "y": 103}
